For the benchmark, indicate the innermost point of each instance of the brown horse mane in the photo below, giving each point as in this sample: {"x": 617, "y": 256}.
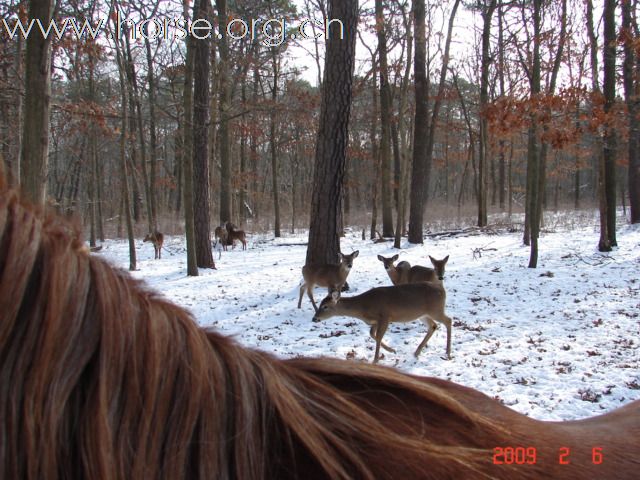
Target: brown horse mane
{"x": 102, "y": 378}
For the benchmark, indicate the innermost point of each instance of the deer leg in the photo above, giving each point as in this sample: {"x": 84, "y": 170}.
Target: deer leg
{"x": 302, "y": 287}
{"x": 310, "y": 293}
{"x": 431, "y": 328}
{"x": 447, "y": 323}
{"x": 372, "y": 333}
{"x": 380, "y": 331}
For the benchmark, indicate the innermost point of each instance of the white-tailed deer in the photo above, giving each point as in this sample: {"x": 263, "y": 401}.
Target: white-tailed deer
{"x": 229, "y": 233}
{"x": 331, "y": 276}
{"x": 237, "y": 235}
{"x": 157, "y": 239}
{"x": 403, "y": 272}
{"x": 221, "y": 236}
{"x": 381, "y": 306}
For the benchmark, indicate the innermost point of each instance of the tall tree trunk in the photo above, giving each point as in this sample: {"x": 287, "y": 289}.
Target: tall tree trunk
{"x": 422, "y": 172}
{"x": 37, "y": 100}
{"x": 487, "y": 14}
{"x": 609, "y": 91}
{"x": 631, "y": 70}
{"x": 603, "y": 243}
{"x": 187, "y": 149}
{"x": 201, "y": 218}
{"x": 273, "y": 145}
{"x": 420, "y": 124}
{"x": 137, "y": 127}
{"x": 385, "y": 123}
{"x": 375, "y": 152}
{"x": 124, "y": 170}
{"x": 533, "y": 145}
{"x": 333, "y": 136}
{"x": 153, "y": 141}
{"x": 225, "y": 102}
{"x": 501, "y": 143}
{"x": 402, "y": 133}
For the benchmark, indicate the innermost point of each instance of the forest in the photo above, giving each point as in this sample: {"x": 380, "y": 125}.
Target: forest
{"x": 456, "y": 110}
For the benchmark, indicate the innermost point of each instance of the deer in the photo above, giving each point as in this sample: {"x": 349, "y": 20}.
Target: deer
{"x": 229, "y": 234}
{"x": 222, "y": 237}
{"x": 381, "y": 306}
{"x": 326, "y": 275}
{"x": 403, "y": 272}
{"x": 234, "y": 235}
{"x": 157, "y": 239}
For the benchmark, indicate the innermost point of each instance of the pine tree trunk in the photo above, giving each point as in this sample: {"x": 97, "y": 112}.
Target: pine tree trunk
{"x": 37, "y": 99}
{"x": 272, "y": 144}
{"x": 631, "y": 70}
{"x": 201, "y": 74}
{"x": 385, "y": 123}
{"x": 331, "y": 147}
{"x": 420, "y": 124}
{"x": 187, "y": 151}
{"x": 225, "y": 102}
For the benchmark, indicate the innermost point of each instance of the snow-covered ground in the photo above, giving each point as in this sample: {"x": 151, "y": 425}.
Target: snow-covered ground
{"x": 558, "y": 342}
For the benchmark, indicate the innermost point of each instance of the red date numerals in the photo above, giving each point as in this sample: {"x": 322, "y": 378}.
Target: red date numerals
{"x": 514, "y": 455}
{"x": 529, "y": 456}
{"x": 596, "y": 456}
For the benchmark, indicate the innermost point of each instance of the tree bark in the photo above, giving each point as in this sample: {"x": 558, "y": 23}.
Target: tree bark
{"x": 420, "y": 124}
{"x": 423, "y": 172}
{"x": 225, "y": 102}
{"x": 533, "y": 145}
{"x": 124, "y": 171}
{"x": 487, "y": 14}
{"x": 331, "y": 147}
{"x": 187, "y": 150}
{"x": 37, "y": 100}
{"x": 609, "y": 91}
{"x": 385, "y": 123}
{"x": 272, "y": 143}
{"x": 631, "y": 70}
{"x": 201, "y": 74}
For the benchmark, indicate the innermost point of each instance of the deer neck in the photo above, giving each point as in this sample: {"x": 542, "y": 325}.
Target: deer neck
{"x": 351, "y": 307}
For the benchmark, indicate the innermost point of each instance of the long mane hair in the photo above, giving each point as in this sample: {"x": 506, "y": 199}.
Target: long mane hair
{"x": 101, "y": 378}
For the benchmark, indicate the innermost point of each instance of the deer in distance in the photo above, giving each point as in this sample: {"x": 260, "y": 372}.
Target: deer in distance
{"x": 403, "y": 272}
{"x": 234, "y": 233}
{"x": 222, "y": 237}
{"x": 381, "y": 306}
{"x": 157, "y": 239}
{"x": 331, "y": 276}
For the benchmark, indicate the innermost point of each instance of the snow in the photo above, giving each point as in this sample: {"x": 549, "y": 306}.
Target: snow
{"x": 558, "y": 342}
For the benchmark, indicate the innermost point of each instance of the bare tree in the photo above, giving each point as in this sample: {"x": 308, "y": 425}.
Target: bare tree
{"x": 385, "y": 122}
{"x": 609, "y": 91}
{"x": 201, "y": 77}
{"x": 425, "y": 127}
{"x": 487, "y": 14}
{"x": 331, "y": 146}
{"x": 631, "y": 72}
{"x": 187, "y": 149}
{"x": 37, "y": 100}
{"x": 225, "y": 103}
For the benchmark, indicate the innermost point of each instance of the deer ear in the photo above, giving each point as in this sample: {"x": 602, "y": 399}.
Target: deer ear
{"x": 432, "y": 259}
{"x": 335, "y": 295}
{"x": 355, "y": 254}
{"x": 381, "y": 258}
{"x": 445, "y": 258}
{"x": 340, "y": 256}
{"x": 394, "y": 258}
